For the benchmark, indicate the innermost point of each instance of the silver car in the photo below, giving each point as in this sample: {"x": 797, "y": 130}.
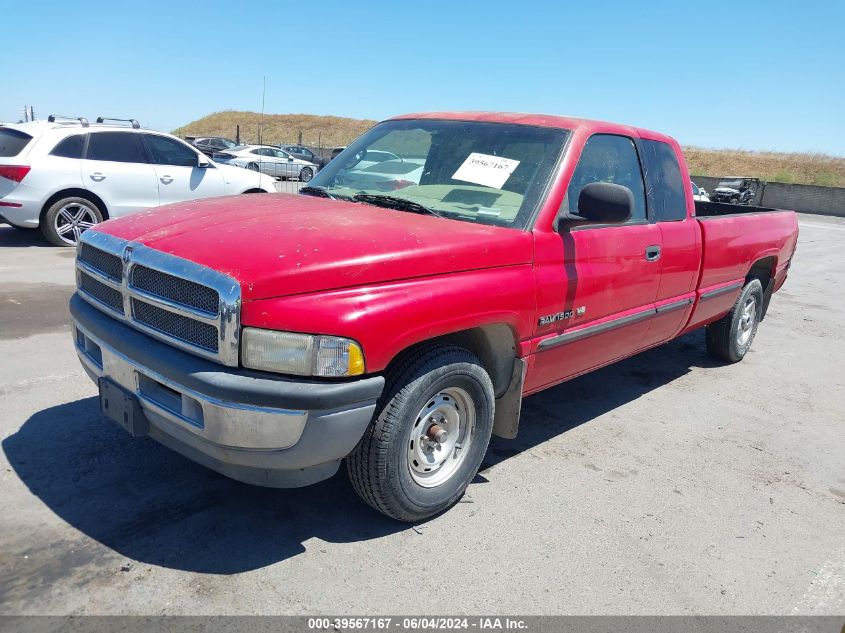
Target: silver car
{"x": 268, "y": 160}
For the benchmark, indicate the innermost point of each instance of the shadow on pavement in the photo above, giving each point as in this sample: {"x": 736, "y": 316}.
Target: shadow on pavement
{"x": 154, "y": 506}
{"x": 10, "y": 237}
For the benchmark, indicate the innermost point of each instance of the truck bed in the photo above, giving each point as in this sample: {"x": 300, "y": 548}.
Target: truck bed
{"x": 711, "y": 209}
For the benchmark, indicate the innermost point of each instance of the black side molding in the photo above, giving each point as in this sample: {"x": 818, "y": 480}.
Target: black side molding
{"x": 601, "y": 328}
{"x": 720, "y": 291}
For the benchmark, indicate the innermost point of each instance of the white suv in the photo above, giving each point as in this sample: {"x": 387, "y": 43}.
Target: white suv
{"x": 65, "y": 176}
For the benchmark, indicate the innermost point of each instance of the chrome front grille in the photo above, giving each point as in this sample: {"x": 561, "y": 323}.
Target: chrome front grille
{"x": 185, "y": 304}
{"x": 106, "y": 263}
{"x": 106, "y": 295}
{"x": 177, "y": 289}
{"x": 176, "y": 325}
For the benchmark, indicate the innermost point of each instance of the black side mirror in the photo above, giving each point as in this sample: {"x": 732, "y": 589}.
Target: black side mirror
{"x": 602, "y": 203}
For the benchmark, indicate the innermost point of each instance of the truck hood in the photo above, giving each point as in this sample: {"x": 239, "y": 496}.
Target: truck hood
{"x": 725, "y": 190}
{"x": 281, "y": 244}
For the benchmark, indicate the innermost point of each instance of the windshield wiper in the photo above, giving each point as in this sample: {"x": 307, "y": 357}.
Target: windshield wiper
{"x": 394, "y": 202}
{"x": 319, "y": 192}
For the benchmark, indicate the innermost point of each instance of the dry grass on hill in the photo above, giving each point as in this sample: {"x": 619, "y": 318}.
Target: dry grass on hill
{"x": 328, "y": 131}
{"x": 333, "y": 131}
{"x": 802, "y": 168}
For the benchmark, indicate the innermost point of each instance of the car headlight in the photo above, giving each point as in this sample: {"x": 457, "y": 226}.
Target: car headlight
{"x": 301, "y": 354}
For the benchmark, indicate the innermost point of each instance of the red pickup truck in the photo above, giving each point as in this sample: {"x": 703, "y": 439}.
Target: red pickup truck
{"x": 396, "y": 311}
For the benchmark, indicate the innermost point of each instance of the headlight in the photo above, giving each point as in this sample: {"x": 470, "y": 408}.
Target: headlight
{"x": 301, "y": 354}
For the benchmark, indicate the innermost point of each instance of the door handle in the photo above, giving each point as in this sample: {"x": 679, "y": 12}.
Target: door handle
{"x": 652, "y": 253}
{"x": 166, "y": 179}
{"x": 98, "y": 177}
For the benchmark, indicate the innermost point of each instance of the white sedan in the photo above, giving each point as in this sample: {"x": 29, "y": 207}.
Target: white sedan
{"x": 268, "y": 160}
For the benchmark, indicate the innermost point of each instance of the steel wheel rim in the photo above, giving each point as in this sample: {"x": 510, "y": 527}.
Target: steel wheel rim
{"x": 432, "y": 463}
{"x": 747, "y": 319}
{"x": 73, "y": 220}
{"x": 306, "y": 175}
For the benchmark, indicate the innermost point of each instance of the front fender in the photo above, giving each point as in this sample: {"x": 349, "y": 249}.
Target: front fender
{"x": 388, "y": 318}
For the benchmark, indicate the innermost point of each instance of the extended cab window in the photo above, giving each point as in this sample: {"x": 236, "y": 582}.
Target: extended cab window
{"x": 473, "y": 171}
{"x": 609, "y": 158}
{"x": 118, "y": 147}
{"x": 12, "y": 142}
{"x": 70, "y": 147}
{"x": 166, "y": 151}
{"x": 666, "y": 195}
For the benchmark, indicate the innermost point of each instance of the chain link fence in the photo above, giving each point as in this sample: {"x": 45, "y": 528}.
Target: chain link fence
{"x": 291, "y": 162}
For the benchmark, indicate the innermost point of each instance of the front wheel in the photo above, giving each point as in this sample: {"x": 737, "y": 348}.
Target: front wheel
{"x": 729, "y": 338}
{"x": 252, "y": 167}
{"x": 429, "y": 435}
{"x": 67, "y": 219}
{"x": 306, "y": 174}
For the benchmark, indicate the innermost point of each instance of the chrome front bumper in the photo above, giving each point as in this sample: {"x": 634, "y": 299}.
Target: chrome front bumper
{"x": 250, "y": 426}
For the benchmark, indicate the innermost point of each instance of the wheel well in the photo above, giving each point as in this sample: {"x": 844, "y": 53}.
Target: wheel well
{"x": 78, "y": 193}
{"x": 254, "y": 191}
{"x": 495, "y": 346}
{"x": 764, "y": 270}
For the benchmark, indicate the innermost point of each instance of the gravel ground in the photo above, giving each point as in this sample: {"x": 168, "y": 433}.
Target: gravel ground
{"x": 665, "y": 484}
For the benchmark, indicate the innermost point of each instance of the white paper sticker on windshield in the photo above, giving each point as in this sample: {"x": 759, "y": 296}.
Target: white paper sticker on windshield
{"x": 483, "y": 169}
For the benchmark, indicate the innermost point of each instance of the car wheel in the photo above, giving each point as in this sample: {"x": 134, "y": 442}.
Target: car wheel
{"x": 252, "y": 167}
{"x": 729, "y": 338}
{"x": 306, "y": 174}
{"x": 429, "y": 435}
{"x": 67, "y": 219}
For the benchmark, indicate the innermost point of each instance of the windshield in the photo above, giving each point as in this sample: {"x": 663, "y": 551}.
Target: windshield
{"x": 731, "y": 184}
{"x": 490, "y": 173}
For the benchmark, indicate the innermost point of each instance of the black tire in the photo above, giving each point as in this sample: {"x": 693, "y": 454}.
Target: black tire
{"x": 379, "y": 466}
{"x": 730, "y": 338}
{"x": 55, "y": 223}
{"x": 306, "y": 174}
{"x": 252, "y": 167}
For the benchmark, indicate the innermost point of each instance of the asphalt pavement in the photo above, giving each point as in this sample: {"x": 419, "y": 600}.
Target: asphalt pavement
{"x": 665, "y": 484}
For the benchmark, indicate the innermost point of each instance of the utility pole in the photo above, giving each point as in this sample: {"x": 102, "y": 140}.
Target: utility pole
{"x": 261, "y": 123}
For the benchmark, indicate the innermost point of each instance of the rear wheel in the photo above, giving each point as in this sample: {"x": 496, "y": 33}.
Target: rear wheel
{"x": 67, "y": 219}
{"x": 306, "y": 174}
{"x": 429, "y": 435}
{"x": 729, "y": 338}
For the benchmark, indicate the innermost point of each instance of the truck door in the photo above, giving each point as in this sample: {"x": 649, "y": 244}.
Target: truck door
{"x": 680, "y": 257}
{"x": 596, "y": 283}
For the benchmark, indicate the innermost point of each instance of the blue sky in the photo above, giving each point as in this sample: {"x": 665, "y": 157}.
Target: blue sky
{"x": 753, "y": 75}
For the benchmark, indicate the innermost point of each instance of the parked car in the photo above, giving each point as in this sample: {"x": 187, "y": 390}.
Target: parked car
{"x": 736, "y": 190}
{"x": 399, "y": 331}
{"x": 208, "y": 145}
{"x": 699, "y": 194}
{"x": 268, "y": 160}
{"x": 336, "y": 151}
{"x": 384, "y": 171}
{"x": 65, "y": 176}
{"x": 303, "y": 153}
